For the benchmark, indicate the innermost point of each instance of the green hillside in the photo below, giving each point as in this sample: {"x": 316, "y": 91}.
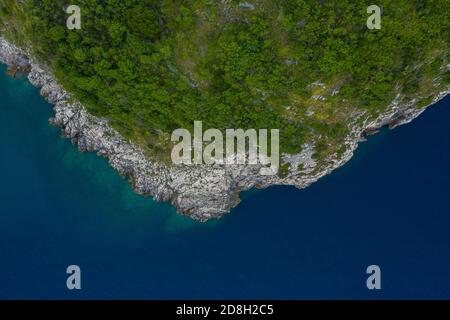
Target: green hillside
{"x": 307, "y": 67}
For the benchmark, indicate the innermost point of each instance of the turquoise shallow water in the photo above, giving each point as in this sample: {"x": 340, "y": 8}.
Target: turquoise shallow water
{"x": 388, "y": 206}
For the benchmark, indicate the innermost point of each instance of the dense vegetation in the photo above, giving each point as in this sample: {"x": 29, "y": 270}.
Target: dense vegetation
{"x": 151, "y": 66}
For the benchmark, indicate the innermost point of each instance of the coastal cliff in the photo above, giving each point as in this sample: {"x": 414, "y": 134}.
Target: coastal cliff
{"x": 201, "y": 192}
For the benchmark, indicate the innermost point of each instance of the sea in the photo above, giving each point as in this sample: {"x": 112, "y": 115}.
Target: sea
{"x": 388, "y": 207}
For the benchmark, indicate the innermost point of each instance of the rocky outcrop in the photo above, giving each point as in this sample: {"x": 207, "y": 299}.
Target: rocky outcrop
{"x": 202, "y": 192}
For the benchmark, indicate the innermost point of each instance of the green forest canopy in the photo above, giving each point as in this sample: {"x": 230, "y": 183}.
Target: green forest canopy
{"x": 153, "y": 66}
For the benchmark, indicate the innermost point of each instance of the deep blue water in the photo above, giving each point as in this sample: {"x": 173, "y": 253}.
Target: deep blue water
{"x": 389, "y": 206}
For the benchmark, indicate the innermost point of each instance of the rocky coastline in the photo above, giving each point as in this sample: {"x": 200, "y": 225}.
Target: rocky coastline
{"x": 201, "y": 192}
